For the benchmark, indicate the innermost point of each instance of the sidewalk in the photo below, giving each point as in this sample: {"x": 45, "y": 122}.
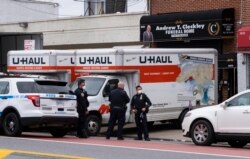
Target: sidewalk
{"x": 161, "y": 132}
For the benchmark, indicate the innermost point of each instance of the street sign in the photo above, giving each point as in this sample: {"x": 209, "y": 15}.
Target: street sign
{"x": 29, "y": 44}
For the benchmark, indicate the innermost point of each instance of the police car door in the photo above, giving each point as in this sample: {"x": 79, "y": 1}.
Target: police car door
{"x": 4, "y": 95}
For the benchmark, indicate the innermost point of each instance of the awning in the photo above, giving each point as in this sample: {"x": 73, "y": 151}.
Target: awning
{"x": 243, "y": 41}
{"x": 198, "y": 25}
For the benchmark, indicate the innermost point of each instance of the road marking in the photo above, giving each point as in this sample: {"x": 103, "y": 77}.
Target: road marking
{"x": 5, "y": 152}
{"x": 138, "y": 148}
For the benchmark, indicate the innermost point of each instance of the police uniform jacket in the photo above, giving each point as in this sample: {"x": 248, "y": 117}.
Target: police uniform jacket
{"x": 140, "y": 101}
{"x": 118, "y": 98}
{"x": 82, "y": 100}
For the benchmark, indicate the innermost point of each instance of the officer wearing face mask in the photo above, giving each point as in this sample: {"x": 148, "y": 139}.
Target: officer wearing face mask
{"x": 140, "y": 104}
{"x": 82, "y": 109}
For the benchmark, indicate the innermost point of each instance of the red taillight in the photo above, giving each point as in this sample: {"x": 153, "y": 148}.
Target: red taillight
{"x": 35, "y": 100}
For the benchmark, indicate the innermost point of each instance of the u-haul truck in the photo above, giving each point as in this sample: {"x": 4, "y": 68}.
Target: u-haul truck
{"x": 174, "y": 79}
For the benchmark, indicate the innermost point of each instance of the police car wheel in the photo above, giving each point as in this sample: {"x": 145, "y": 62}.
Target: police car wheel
{"x": 93, "y": 125}
{"x": 58, "y": 132}
{"x": 12, "y": 125}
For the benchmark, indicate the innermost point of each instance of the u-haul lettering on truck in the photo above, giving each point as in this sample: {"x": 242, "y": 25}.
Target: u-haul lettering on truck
{"x": 155, "y": 59}
{"x": 158, "y": 59}
{"x": 95, "y": 60}
{"x": 29, "y": 61}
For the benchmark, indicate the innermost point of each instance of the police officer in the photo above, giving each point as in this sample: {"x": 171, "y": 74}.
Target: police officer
{"x": 118, "y": 99}
{"x": 82, "y": 109}
{"x": 140, "y": 104}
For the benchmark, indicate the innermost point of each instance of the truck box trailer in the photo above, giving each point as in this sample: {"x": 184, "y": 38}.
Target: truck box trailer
{"x": 175, "y": 80}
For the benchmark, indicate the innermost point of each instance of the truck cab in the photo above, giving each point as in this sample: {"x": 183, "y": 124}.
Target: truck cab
{"x": 98, "y": 88}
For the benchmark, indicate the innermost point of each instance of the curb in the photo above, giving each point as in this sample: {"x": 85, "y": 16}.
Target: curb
{"x": 157, "y": 139}
{"x": 164, "y": 139}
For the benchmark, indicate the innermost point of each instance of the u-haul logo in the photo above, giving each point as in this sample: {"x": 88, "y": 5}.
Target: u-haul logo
{"x": 155, "y": 59}
{"x": 159, "y": 59}
{"x": 94, "y": 60}
{"x": 29, "y": 60}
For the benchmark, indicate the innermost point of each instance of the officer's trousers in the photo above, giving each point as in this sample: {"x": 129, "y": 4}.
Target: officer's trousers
{"x": 82, "y": 125}
{"x": 116, "y": 114}
{"x": 141, "y": 124}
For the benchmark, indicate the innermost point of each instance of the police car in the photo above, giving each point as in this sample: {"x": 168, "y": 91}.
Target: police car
{"x": 28, "y": 103}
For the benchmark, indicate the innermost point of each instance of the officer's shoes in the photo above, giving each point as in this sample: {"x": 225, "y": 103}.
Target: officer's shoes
{"x": 147, "y": 139}
{"x": 82, "y": 136}
{"x": 107, "y": 137}
{"x": 120, "y": 138}
{"x": 138, "y": 138}
{"x": 79, "y": 136}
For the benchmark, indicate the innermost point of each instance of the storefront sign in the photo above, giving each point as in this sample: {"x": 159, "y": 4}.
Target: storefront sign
{"x": 188, "y": 26}
{"x": 243, "y": 40}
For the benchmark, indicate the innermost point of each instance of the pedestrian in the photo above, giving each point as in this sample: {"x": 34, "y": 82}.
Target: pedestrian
{"x": 118, "y": 99}
{"x": 140, "y": 104}
{"x": 82, "y": 109}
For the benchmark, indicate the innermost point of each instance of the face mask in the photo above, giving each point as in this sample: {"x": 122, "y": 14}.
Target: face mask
{"x": 84, "y": 87}
{"x": 139, "y": 91}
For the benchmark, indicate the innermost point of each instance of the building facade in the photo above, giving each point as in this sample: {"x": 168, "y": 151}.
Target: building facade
{"x": 13, "y": 11}
{"x": 97, "y": 31}
{"x": 202, "y": 24}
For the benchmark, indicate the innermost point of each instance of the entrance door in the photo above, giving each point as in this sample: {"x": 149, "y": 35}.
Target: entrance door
{"x": 227, "y": 83}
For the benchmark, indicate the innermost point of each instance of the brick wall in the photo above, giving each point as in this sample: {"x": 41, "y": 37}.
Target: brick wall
{"x": 169, "y": 6}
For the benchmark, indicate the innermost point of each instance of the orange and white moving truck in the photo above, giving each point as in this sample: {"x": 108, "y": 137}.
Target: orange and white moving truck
{"x": 173, "y": 79}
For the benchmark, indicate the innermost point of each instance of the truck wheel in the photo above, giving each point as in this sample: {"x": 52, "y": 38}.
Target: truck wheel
{"x": 58, "y": 132}
{"x": 202, "y": 133}
{"x": 12, "y": 125}
{"x": 94, "y": 125}
{"x": 150, "y": 124}
{"x": 237, "y": 144}
{"x": 181, "y": 118}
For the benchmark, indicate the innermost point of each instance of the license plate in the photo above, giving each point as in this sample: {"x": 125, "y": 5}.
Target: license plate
{"x": 60, "y": 103}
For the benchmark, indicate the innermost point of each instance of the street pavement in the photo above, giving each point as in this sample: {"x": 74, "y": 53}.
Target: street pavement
{"x": 167, "y": 142}
{"x": 44, "y": 146}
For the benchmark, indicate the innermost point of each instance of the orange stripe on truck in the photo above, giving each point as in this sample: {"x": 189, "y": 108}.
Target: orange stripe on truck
{"x": 148, "y": 73}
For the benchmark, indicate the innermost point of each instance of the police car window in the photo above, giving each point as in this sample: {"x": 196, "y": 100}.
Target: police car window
{"x": 242, "y": 100}
{"x": 4, "y": 87}
{"x": 27, "y": 87}
{"x": 33, "y": 87}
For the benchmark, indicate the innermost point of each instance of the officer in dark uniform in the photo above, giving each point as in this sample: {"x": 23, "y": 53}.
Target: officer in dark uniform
{"x": 82, "y": 109}
{"x": 118, "y": 99}
{"x": 140, "y": 104}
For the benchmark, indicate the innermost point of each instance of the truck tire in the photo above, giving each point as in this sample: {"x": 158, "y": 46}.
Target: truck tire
{"x": 150, "y": 124}
{"x": 181, "y": 118}
{"x": 237, "y": 144}
{"x": 58, "y": 133}
{"x": 202, "y": 133}
{"x": 93, "y": 125}
{"x": 12, "y": 125}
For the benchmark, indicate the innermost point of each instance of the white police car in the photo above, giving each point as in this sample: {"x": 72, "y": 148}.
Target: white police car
{"x": 27, "y": 103}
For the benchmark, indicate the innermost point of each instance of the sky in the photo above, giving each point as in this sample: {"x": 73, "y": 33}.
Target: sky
{"x": 74, "y": 8}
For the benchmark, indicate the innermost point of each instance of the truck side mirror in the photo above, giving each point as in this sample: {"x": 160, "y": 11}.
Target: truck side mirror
{"x": 71, "y": 92}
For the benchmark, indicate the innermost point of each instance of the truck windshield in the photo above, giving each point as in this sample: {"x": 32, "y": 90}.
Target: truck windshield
{"x": 43, "y": 87}
{"x": 93, "y": 85}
